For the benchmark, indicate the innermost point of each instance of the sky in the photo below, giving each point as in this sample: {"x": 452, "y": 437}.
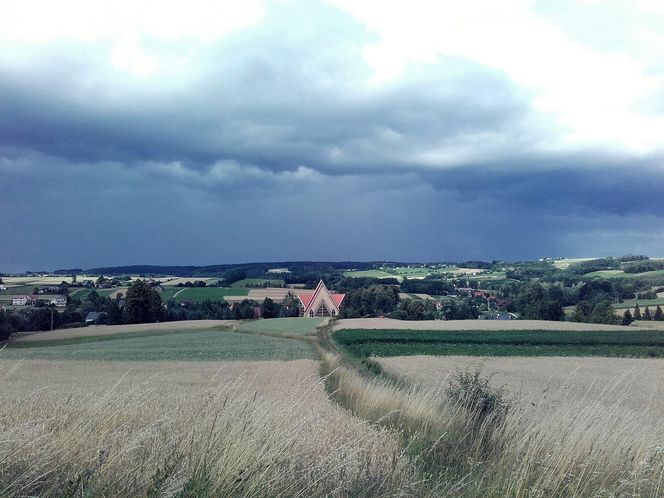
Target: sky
{"x": 208, "y": 132}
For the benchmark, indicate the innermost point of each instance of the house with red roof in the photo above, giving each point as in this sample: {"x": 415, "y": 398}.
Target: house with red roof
{"x": 320, "y": 302}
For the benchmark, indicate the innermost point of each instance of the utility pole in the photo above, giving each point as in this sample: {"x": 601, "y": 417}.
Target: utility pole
{"x": 52, "y": 310}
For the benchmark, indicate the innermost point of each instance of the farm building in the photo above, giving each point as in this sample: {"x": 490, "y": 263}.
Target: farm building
{"x": 320, "y": 302}
{"x": 23, "y": 300}
{"x": 59, "y": 301}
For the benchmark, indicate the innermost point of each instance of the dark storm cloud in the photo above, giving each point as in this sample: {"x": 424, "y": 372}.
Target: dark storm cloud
{"x": 564, "y": 185}
{"x": 275, "y": 145}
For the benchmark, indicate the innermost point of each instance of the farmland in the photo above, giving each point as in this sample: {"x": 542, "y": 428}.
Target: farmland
{"x": 167, "y": 427}
{"x": 419, "y": 272}
{"x": 643, "y": 303}
{"x": 200, "y": 294}
{"x": 254, "y": 282}
{"x": 365, "y": 343}
{"x": 535, "y": 381}
{"x": 189, "y": 345}
{"x": 136, "y": 396}
{"x": 369, "y": 274}
{"x": 622, "y": 274}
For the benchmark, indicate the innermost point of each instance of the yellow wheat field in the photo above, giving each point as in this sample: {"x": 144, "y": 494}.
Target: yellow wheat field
{"x": 631, "y": 385}
{"x": 198, "y": 429}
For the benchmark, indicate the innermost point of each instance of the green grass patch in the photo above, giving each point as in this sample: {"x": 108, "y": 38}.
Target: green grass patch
{"x": 21, "y": 290}
{"x": 255, "y": 282}
{"x": 282, "y": 327}
{"x": 370, "y": 274}
{"x": 630, "y": 343}
{"x": 622, "y": 274}
{"x": 191, "y": 345}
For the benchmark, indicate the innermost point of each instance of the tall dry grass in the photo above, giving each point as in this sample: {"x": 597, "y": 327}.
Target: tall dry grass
{"x": 578, "y": 448}
{"x": 218, "y": 437}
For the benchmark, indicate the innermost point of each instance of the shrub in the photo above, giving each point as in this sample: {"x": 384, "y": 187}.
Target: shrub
{"x": 470, "y": 389}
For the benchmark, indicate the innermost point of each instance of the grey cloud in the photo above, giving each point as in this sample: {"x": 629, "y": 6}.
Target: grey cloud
{"x": 273, "y": 96}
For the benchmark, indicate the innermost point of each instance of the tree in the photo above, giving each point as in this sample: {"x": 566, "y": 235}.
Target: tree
{"x": 637, "y": 312}
{"x": 269, "y": 309}
{"x": 6, "y": 328}
{"x": 142, "y": 304}
{"x": 646, "y": 314}
{"x": 290, "y": 306}
{"x": 658, "y": 316}
{"x": 627, "y": 318}
{"x": 603, "y": 313}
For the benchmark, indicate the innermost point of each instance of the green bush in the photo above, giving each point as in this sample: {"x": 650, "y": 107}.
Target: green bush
{"x": 470, "y": 389}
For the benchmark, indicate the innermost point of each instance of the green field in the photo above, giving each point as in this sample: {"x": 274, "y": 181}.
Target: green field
{"x": 193, "y": 345}
{"x": 253, "y": 282}
{"x": 282, "y": 327}
{"x": 629, "y": 343}
{"x": 20, "y": 290}
{"x": 370, "y": 274}
{"x": 643, "y": 303}
{"x": 622, "y": 274}
{"x": 200, "y": 294}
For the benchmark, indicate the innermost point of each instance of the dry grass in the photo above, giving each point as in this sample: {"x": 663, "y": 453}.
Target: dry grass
{"x": 591, "y": 446}
{"x": 388, "y": 323}
{"x": 102, "y": 330}
{"x": 274, "y": 293}
{"x": 198, "y": 429}
{"x": 633, "y": 384}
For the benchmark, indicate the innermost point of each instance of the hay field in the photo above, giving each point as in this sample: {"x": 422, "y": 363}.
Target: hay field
{"x": 632, "y": 384}
{"x": 388, "y": 323}
{"x": 187, "y": 429}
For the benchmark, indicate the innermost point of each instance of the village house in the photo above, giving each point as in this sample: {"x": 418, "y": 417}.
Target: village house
{"x": 59, "y": 301}
{"x": 23, "y": 300}
{"x": 321, "y": 302}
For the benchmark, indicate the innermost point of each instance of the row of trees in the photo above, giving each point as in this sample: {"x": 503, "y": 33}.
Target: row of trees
{"x": 657, "y": 315}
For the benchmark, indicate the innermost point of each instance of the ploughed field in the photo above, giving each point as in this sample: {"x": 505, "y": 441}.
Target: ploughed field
{"x": 613, "y": 343}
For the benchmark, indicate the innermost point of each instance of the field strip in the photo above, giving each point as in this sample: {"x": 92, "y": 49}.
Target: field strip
{"x": 102, "y": 330}
{"x": 549, "y": 381}
{"x": 387, "y": 323}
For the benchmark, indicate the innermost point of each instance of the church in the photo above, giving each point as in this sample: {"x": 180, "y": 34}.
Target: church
{"x": 320, "y": 302}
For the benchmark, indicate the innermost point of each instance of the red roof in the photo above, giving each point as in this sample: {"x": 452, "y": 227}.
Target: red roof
{"x": 306, "y": 297}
